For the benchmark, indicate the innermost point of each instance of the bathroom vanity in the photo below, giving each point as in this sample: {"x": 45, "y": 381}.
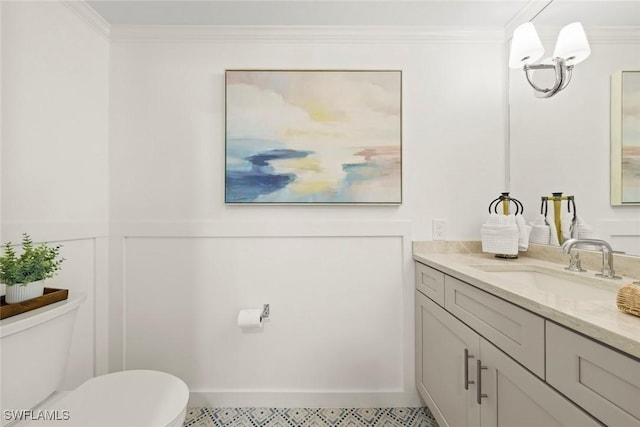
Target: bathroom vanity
{"x": 523, "y": 343}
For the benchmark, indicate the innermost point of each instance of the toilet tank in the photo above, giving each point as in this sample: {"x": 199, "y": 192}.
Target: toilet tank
{"x": 34, "y": 347}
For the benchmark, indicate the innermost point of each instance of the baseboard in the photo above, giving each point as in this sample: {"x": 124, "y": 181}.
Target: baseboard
{"x": 305, "y": 399}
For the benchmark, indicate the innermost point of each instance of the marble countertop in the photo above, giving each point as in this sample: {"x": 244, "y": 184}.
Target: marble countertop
{"x": 593, "y": 313}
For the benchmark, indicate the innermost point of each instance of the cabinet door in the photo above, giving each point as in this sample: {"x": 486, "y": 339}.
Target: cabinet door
{"x": 441, "y": 341}
{"x": 594, "y": 376}
{"x": 515, "y": 397}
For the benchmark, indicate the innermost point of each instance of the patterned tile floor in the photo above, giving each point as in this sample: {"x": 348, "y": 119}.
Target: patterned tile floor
{"x": 307, "y": 417}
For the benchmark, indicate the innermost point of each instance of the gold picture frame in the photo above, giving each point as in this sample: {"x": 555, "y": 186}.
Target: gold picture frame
{"x": 625, "y": 138}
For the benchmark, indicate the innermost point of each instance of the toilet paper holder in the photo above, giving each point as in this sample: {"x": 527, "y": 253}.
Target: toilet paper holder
{"x": 265, "y": 311}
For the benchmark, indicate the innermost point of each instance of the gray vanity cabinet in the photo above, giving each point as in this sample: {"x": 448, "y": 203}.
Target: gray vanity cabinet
{"x": 468, "y": 381}
{"x": 594, "y": 376}
{"x": 441, "y": 344}
{"x": 515, "y": 397}
{"x": 517, "y": 332}
{"x": 430, "y": 282}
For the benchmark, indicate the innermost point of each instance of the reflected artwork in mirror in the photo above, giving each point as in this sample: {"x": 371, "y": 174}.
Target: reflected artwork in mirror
{"x": 625, "y": 138}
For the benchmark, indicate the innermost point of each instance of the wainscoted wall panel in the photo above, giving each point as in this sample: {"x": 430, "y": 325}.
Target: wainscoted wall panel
{"x": 78, "y": 275}
{"x": 338, "y": 293}
{"x": 336, "y": 312}
{"x": 624, "y": 235}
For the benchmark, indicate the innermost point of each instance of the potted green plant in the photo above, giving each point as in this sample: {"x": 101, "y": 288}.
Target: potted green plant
{"x": 24, "y": 275}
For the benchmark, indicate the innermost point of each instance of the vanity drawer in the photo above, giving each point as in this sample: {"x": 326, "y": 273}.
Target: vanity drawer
{"x": 430, "y": 282}
{"x": 594, "y": 376}
{"x": 516, "y": 331}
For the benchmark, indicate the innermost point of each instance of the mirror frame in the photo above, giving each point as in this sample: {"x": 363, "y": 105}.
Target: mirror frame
{"x": 616, "y": 139}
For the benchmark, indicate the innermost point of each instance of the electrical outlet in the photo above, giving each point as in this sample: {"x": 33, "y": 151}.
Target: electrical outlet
{"x": 439, "y": 231}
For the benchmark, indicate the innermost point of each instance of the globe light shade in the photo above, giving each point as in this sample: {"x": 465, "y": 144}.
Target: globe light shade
{"x": 526, "y": 47}
{"x": 572, "y": 44}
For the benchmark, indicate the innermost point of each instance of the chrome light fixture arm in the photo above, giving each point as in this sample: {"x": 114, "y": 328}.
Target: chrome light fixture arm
{"x": 562, "y": 77}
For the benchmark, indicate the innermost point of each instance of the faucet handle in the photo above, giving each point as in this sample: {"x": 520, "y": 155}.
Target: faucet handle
{"x": 575, "y": 263}
{"x": 608, "y": 274}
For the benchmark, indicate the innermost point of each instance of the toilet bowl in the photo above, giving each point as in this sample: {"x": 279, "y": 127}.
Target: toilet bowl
{"x": 122, "y": 399}
{"x": 34, "y": 348}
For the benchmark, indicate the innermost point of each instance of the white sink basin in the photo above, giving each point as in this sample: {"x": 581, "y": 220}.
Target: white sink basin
{"x": 534, "y": 278}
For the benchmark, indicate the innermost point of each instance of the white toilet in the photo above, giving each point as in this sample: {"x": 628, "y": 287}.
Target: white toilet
{"x": 34, "y": 347}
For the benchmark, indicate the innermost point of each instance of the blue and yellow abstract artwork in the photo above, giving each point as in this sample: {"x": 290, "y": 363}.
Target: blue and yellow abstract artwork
{"x": 303, "y": 136}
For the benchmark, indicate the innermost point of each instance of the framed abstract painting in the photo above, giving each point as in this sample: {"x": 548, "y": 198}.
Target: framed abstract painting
{"x": 625, "y": 138}
{"x": 313, "y": 137}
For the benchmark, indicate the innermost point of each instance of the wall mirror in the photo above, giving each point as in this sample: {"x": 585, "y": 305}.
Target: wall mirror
{"x": 563, "y": 143}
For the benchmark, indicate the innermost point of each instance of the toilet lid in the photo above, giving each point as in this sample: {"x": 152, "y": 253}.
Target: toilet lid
{"x": 123, "y": 399}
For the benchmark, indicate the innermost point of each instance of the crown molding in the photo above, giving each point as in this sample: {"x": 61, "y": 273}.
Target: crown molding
{"x": 89, "y": 16}
{"x": 305, "y": 34}
{"x": 597, "y": 34}
{"x": 618, "y": 34}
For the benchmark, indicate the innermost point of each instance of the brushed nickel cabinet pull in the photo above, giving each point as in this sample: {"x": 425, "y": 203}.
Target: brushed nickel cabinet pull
{"x": 479, "y": 394}
{"x": 467, "y": 356}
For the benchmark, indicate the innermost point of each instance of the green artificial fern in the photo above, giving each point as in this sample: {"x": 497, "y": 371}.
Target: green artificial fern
{"x": 35, "y": 263}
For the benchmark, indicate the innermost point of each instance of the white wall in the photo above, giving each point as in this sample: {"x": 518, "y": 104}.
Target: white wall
{"x": 167, "y": 122}
{"x": 339, "y": 279}
{"x": 54, "y": 156}
{"x": 563, "y": 143}
{"x": 1, "y": 128}
{"x": 124, "y": 155}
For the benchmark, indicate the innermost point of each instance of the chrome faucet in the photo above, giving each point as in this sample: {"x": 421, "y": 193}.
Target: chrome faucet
{"x": 607, "y": 255}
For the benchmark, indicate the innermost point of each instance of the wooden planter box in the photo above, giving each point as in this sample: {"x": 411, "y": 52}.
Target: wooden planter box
{"x": 50, "y": 296}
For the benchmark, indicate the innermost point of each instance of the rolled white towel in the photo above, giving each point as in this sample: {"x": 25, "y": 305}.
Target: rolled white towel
{"x": 524, "y": 231}
{"x": 499, "y": 239}
{"x": 539, "y": 234}
{"x": 494, "y": 219}
{"x": 508, "y": 219}
{"x": 539, "y": 231}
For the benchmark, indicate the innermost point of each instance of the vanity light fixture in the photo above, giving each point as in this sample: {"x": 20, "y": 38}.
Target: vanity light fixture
{"x": 572, "y": 48}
